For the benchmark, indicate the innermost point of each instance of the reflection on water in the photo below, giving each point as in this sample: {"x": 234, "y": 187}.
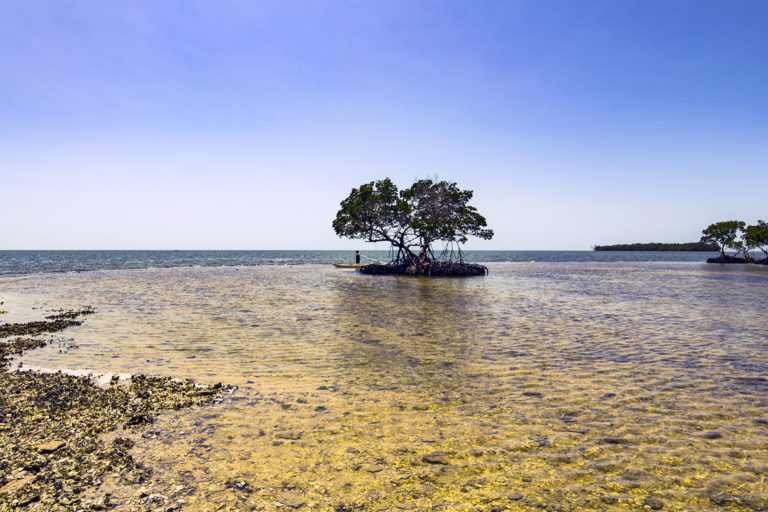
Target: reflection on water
{"x": 551, "y": 386}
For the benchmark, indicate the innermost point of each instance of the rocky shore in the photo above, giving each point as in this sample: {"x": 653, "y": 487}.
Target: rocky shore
{"x": 62, "y": 435}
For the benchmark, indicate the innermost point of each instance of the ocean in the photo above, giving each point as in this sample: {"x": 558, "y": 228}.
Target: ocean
{"x": 559, "y": 381}
{"x": 25, "y": 262}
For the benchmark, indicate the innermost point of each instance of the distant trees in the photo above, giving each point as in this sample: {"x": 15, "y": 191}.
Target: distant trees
{"x": 661, "y": 246}
{"x": 737, "y": 236}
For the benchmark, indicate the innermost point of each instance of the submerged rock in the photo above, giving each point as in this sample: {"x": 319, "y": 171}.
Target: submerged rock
{"x": 438, "y": 457}
{"x": 50, "y": 446}
{"x": 613, "y": 440}
{"x": 292, "y": 500}
{"x": 653, "y": 503}
{"x": 292, "y": 435}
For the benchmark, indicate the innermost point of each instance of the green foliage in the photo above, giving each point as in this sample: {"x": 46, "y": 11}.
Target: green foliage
{"x": 412, "y": 219}
{"x": 724, "y": 234}
{"x": 440, "y": 212}
{"x": 374, "y": 212}
{"x": 657, "y": 246}
{"x": 756, "y": 236}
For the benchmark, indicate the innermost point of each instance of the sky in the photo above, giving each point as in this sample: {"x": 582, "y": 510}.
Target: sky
{"x": 243, "y": 124}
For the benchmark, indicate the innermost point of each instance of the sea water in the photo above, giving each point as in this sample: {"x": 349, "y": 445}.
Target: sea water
{"x": 542, "y": 386}
{"x": 26, "y": 262}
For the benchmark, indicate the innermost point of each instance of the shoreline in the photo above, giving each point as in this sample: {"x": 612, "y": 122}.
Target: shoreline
{"x": 64, "y": 435}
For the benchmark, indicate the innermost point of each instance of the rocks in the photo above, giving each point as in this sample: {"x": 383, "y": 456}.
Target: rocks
{"x": 240, "y": 485}
{"x": 50, "y": 446}
{"x": 613, "y": 440}
{"x": 25, "y": 500}
{"x": 730, "y": 491}
{"x": 17, "y": 346}
{"x": 292, "y": 500}
{"x": 292, "y": 435}
{"x": 438, "y": 457}
{"x": 35, "y": 328}
{"x": 58, "y": 407}
{"x": 102, "y": 503}
{"x": 35, "y": 466}
{"x": 756, "y": 502}
{"x": 654, "y": 503}
{"x": 139, "y": 419}
{"x": 72, "y": 313}
{"x": 157, "y": 499}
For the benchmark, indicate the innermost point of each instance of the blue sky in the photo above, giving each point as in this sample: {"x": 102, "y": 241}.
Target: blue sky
{"x": 242, "y": 125}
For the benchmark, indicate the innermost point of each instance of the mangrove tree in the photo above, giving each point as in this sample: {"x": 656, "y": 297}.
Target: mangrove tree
{"x": 413, "y": 221}
{"x": 740, "y": 238}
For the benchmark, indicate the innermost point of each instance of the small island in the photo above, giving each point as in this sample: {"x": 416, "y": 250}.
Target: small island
{"x": 411, "y": 220}
{"x": 661, "y": 246}
{"x": 721, "y": 236}
{"x": 742, "y": 239}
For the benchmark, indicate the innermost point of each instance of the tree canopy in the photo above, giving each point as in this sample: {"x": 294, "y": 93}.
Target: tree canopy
{"x": 724, "y": 234}
{"x": 413, "y": 219}
{"x": 756, "y": 236}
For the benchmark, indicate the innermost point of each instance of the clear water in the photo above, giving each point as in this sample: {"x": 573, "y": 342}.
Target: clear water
{"x": 543, "y": 386}
{"x": 25, "y": 262}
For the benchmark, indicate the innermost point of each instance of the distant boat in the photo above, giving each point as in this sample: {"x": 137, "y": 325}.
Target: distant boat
{"x": 348, "y": 265}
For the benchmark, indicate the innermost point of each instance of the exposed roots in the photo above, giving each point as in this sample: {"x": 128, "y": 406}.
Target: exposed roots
{"x": 431, "y": 268}
{"x": 727, "y": 259}
{"x": 737, "y": 259}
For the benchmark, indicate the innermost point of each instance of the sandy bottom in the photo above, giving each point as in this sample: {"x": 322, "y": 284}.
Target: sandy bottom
{"x": 540, "y": 387}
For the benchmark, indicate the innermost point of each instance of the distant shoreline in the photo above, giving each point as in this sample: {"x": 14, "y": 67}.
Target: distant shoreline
{"x": 659, "y": 246}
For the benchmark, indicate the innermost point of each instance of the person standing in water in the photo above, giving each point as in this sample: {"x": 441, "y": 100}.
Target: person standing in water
{"x": 357, "y": 256}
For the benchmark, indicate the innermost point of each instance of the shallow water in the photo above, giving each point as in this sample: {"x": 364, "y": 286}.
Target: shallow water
{"x": 557, "y": 386}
